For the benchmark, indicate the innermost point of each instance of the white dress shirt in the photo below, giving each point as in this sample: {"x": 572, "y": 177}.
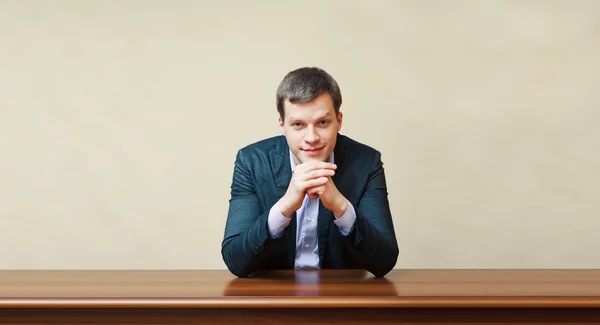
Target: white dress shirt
{"x": 307, "y": 241}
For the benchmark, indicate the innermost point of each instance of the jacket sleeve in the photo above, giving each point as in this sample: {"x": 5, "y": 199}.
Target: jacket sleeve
{"x": 247, "y": 242}
{"x": 372, "y": 240}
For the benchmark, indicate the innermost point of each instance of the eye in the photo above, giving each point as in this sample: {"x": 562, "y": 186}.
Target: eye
{"x": 323, "y": 122}
{"x": 297, "y": 124}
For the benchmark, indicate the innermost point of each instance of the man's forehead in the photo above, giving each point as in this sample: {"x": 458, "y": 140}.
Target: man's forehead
{"x": 311, "y": 109}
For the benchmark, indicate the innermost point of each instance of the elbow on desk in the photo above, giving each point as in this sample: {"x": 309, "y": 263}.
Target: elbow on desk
{"x": 233, "y": 262}
{"x": 234, "y": 269}
{"x": 382, "y": 268}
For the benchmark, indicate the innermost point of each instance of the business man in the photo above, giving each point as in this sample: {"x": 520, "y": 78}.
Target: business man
{"x": 312, "y": 198}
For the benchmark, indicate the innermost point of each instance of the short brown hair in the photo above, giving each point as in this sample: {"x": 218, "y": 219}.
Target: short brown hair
{"x": 305, "y": 84}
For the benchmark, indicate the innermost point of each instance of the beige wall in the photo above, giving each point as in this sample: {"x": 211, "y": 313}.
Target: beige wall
{"x": 120, "y": 120}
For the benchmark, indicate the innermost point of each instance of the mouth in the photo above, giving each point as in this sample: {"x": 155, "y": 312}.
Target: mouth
{"x": 313, "y": 151}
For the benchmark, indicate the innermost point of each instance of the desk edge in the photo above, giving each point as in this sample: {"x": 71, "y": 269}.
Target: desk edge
{"x": 308, "y": 302}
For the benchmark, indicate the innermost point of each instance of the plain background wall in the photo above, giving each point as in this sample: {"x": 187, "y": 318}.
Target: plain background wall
{"x": 120, "y": 121}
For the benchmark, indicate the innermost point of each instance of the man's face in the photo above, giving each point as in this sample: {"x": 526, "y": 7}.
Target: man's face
{"x": 311, "y": 128}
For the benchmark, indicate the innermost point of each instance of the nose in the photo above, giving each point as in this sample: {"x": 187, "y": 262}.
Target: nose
{"x": 311, "y": 135}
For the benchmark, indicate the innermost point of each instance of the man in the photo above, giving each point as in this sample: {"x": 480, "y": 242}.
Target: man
{"x": 311, "y": 199}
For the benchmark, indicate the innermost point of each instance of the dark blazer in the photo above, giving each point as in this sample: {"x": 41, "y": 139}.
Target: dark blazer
{"x": 261, "y": 177}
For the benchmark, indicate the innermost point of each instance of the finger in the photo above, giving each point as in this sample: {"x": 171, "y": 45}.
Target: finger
{"x": 312, "y": 165}
{"x": 317, "y": 173}
{"x": 315, "y": 192}
{"x": 315, "y": 182}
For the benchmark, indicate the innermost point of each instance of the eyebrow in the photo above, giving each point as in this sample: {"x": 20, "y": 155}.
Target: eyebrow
{"x": 294, "y": 119}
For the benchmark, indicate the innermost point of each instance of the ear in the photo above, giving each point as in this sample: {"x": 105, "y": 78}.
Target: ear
{"x": 340, "y": 117}
{"x": 280, "y": 121}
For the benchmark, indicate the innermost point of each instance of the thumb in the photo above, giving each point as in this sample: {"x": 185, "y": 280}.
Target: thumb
{"x": 313, "y": 193}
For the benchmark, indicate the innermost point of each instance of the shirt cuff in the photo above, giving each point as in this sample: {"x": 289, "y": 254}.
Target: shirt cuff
{"x": 277, "y": 222}
{"x": 346, "y": 221}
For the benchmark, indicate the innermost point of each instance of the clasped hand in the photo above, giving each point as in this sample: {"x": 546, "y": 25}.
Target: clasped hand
{"x": 313, "y": 178}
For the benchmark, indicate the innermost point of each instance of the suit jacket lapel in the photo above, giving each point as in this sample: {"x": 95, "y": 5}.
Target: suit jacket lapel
{"x": 282, "y": 172}
{"x": 326, "y": 216}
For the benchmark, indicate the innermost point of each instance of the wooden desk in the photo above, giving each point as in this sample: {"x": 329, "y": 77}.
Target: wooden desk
{"x": 309, "y": 297}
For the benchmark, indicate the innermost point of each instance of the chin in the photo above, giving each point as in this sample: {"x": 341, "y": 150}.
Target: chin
{"x": 315, "y": 159}
{"x": 304, "y": 157}
{"x": 310, "y": 158}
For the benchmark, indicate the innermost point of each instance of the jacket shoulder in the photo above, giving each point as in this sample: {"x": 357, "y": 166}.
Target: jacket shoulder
{"x": 265, "y": 145}
{"x": 358, "y": 147}
{"x": 261, "y": 149}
